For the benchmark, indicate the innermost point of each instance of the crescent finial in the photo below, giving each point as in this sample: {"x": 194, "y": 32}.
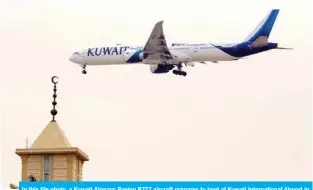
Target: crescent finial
{"x": 54, "y": 79}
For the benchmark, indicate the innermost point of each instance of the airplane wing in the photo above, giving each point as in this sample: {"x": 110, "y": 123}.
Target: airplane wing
{"x": 156, "y": 50}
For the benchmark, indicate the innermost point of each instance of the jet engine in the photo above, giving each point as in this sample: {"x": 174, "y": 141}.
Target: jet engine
{"x": 157, "y": 69}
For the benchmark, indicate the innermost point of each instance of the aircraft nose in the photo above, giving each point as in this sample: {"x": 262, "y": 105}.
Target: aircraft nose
{"x": 72, "y": 59}
{"x": 76, "y": 58}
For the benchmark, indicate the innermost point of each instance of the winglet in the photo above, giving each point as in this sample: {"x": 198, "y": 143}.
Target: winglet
{"x": 160, "y": 22}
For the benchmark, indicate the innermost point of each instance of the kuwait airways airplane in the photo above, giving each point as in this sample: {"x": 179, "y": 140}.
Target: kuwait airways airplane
{"x": 163, "y": 58}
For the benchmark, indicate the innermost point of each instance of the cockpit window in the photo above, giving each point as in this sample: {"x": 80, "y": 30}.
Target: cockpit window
{"x": 75, "y": 53}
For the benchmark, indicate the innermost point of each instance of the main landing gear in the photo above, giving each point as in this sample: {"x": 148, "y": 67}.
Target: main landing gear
{"x": 84, "y": 69}
{"x": 179, "y": 71}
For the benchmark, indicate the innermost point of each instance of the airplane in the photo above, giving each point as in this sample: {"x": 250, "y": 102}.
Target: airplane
{"x": 163, "y": 58}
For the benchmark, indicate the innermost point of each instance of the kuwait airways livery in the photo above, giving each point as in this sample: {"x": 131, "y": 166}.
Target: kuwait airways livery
{"x": 163, "y": 58}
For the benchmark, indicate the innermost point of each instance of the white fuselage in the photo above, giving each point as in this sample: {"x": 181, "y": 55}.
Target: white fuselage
{"x": 118, "y": 55}
{"x": 163, "y": 57}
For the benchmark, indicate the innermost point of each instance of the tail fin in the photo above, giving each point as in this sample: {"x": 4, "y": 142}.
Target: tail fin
{"x": 262, "y": 32}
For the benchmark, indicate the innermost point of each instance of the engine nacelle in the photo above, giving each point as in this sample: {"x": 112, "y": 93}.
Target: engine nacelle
{"x": 157, "y": 69}
{"x": 133, "y": 56}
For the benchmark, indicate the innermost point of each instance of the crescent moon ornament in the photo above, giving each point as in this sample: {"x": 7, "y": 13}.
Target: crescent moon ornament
{"x": 54, "y": 79}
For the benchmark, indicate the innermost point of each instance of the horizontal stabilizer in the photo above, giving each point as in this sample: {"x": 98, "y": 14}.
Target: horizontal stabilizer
{"x": 284, "y": 48}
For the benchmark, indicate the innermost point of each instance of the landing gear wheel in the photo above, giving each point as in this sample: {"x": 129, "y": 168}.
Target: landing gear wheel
{"x": 178, "y": 72}
{"x": 84, "y": 69}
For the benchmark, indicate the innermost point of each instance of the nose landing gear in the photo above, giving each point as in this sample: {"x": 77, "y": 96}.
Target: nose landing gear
{"x": 84, "y": 69}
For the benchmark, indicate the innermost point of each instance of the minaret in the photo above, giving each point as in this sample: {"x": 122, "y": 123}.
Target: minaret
{"x": 51, "y": 157}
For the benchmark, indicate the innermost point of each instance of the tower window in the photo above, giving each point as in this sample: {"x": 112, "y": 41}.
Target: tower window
{"x": 46, "y": 168}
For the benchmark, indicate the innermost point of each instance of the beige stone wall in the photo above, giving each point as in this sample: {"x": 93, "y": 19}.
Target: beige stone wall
{"x": 59, "y": 168}
{"x": 80, "y": 168}
{"x": 70, "y": 163}
{"x": 74, "y": 168}
{"x": 34, "y": 167}
{"x": 24, "y": 159}
{"x": 63, "y": 167}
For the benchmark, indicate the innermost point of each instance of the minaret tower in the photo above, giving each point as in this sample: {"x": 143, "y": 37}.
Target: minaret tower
{"x": 51, "y": 157}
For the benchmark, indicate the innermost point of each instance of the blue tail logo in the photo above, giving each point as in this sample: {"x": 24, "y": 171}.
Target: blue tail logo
{"x": 262, "y": 32}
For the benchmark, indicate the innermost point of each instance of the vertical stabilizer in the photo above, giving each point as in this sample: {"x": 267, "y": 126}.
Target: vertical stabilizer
{"x": 261, "y": 33}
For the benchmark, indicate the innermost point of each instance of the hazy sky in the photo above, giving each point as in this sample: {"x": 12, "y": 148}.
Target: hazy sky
{"x": 244, "y": 120}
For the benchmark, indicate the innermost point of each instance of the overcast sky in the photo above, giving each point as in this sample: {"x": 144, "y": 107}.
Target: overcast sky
{"x": 244, "y": 120}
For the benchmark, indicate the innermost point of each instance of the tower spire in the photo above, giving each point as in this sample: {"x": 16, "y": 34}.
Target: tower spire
{"x": 54, "y": 112}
